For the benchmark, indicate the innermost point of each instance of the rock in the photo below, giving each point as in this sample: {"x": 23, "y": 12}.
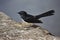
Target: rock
{"x": 12, "y": 30}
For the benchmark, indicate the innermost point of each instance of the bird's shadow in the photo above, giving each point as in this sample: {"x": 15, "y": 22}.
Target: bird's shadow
{"x": 35, "y": 26}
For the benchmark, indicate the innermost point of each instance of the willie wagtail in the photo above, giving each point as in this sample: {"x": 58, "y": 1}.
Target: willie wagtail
{"x": 34, "y": 19}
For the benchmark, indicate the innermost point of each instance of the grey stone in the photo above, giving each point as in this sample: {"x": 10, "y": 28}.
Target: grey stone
{"x": 12, "y": 30}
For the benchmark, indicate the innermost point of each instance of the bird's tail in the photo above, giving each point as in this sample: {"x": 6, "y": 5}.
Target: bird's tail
{"x": 49, "y": 13}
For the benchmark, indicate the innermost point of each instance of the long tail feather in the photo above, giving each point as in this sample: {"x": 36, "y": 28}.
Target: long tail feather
{"x": 49, "y": 13}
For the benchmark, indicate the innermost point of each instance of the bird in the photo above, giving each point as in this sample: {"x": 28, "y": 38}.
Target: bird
{"x": 34, "y": 19}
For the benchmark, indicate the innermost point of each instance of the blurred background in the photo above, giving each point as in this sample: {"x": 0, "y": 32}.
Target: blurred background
{"x": 34, "y": 7}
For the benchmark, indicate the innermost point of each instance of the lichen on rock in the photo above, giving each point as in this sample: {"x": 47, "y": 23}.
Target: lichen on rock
{"x": 12, "y": 30}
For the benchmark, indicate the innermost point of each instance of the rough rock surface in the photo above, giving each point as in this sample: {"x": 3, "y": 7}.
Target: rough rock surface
{"x": 12, "y": 30}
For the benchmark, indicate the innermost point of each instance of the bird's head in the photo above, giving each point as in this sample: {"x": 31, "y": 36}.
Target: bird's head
{"x": 22, "y": 13}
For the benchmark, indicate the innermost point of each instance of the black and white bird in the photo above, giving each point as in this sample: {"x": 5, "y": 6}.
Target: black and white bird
{"x": 34, "y": 19}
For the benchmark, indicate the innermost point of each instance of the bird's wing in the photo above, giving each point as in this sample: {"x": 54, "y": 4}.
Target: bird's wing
{"x": 28, "y": 16}
{"x": 49, "y": 13}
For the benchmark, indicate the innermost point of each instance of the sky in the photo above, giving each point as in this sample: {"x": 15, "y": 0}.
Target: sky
{"x": 34, "y": 7}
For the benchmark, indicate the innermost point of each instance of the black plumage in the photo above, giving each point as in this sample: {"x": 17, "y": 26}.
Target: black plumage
{"x": 34, "y": 19}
